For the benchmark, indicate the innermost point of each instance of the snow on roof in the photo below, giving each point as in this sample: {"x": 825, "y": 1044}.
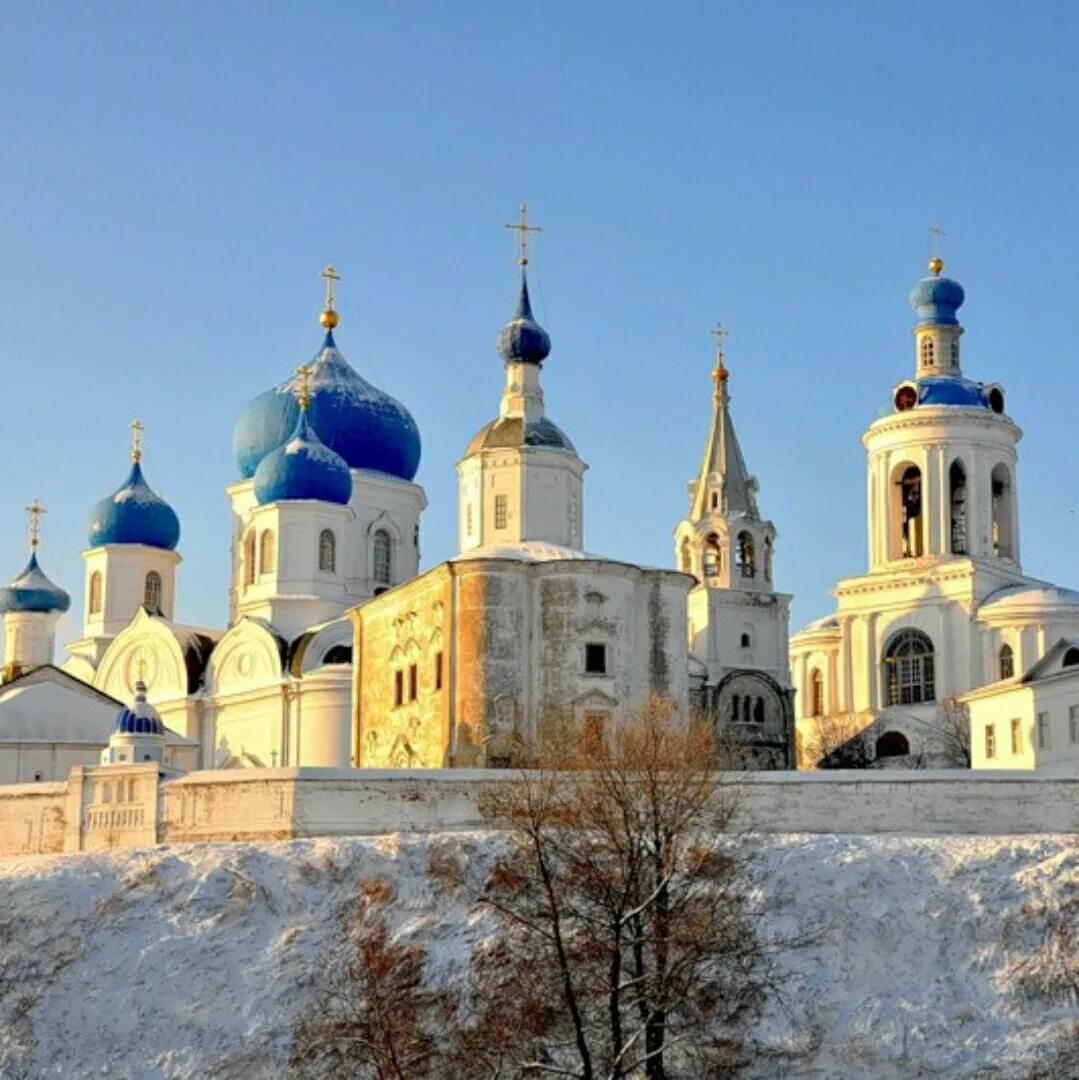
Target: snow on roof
{"x": 1030, "y": 594}
{"x": 539, "y": 551}
{"x": 829, "y": 622}
{"x": 51, "y": 712}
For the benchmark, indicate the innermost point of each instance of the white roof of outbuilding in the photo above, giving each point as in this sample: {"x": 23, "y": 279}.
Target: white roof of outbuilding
{"x": 59, "y": 710}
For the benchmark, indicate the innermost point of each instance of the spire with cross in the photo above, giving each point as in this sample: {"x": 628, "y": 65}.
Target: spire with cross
{"x": 936, "y": 264}
{"x": 522, "y": 228}
{"x": 303, "y": 395}
{"x": 720, "y": 373}
{"x": 136, "y": 439}
{"x": 35, "y": 510}
{"x": 329, "y": 317}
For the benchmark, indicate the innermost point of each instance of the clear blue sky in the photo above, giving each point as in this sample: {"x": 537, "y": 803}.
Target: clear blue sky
{"x": 173, "y": 177}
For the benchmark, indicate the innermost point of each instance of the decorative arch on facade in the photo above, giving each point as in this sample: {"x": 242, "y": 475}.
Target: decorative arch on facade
{"x": 249, "y": 655}
{"x": 957, "y": 504}
{"x": 1002, "y": 512}
{"x": 314, "y": 649}
{"x": 816, "y": 692}
{"x": 146, "y": 648}
{"x": 908, "y": 665}
{"x": 906, "y": 520}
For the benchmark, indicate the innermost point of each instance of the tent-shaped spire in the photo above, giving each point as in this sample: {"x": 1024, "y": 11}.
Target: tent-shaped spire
{"x": 723, "y": 468}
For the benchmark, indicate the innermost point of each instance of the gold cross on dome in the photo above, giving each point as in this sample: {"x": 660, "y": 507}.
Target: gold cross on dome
{"x": 720, "y": 333}
{"x": 136, "y": 439}
{"x": 936, "y": 232}
{"x": 35, "y": 510}
{"x": 331, "y": 277}
{"x": 522, "y": 228}
{"x": 304, "y": 396}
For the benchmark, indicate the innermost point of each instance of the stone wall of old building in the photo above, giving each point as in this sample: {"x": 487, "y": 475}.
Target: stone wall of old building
{"x": 403, "y": 675}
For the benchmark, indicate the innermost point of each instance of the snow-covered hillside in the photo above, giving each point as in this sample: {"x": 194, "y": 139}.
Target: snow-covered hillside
{"x": 196, "y": 961}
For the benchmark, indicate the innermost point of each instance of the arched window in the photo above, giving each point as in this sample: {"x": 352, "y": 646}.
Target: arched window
{"x": 382, "y": 558}
{"x": 1071, "y": 658}
{"x": 266, "y": 552}
{"x": 327, "y": 551}
{"x": 955, "y": 352}
{"x": 957, "y": 480}
{"x": 906, "y": 537}
{"x": 768, "y": 559}
{"x": 249, "y": 558}
{"x": 745, "y": 555}
{"x": 758, "y": 711}
{"x": 715, "y": 500}
{"x": 816, "y": 693}
{"x": 908, "y": 669}
{"x": 1007, "y": 662}
{"x": 339, "y": 654}
{"x": 735, "y": 714}
{"x": 95, "y": 593}
{"x": 927, "y": 351}
{"x": 713, "y": 556}
{"x": 1002, "y": 512}
{"x": 151, "y": 594}
{"x": 747, "y": 641}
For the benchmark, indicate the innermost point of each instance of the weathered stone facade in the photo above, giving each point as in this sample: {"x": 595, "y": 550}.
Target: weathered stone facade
{"x": 518, "y": 637}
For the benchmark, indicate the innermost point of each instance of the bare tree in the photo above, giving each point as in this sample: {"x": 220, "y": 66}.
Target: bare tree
{"x": 624, "y": 943}
{"x": 838, "y": 742}
{"x": 374, "y": 1015}
{"x": 950, "y": 735}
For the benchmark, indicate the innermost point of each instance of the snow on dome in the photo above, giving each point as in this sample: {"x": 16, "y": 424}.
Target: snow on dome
{"x": 32, "y": 591}
{"x": 1032, "y": 595}
{"x": 133, "y": 514}
{"x": 534, "y": 551}
{"x": 303, "y": 469}
{"x": 366, "y": 427}
{"x": 829, "y": 622}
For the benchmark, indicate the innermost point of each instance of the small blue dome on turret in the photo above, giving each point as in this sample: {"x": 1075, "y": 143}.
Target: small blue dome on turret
{"x": 522, "y": 338}
{"x": 936, "y": 299}
{"x": 32, "y": 591}
{"x": 303, "y": 468}
{"x": 366, "y": 427}
{"x": 133, "y": 514}
{"x": 140, "y": 718}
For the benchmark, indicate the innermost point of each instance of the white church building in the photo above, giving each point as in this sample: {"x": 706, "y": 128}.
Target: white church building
{"x": 944, "y": 610}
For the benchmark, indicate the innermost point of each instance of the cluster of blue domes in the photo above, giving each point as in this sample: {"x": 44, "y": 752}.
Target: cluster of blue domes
{"x": 140, "y": 718}
{"x": 32, "y": 591}
{"x": 133, "y": 514}
{"x": 522, "y": 338}
{"x": 367, "y": 428}
{"x": 303, "y": 468}
{"x": 936, "y": 299}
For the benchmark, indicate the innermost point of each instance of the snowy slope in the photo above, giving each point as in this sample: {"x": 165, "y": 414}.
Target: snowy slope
{"x": 195, "y": 961}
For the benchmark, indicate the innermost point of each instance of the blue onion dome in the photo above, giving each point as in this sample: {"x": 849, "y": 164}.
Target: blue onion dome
{"x": 366, "y": 427}
{"x": 303, "y": 468}
{"x": 522, "y": 338}
{"x": 952, "y": 390}
{"x": 133, "y": 514}
{"x": 140, "y": 718}
{"x": 936, "y": 299}
{"x": 32, "y": 591}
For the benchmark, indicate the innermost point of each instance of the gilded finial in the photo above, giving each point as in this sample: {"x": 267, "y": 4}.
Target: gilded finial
{"x": 329, "y": 318}
{"x": 140, "y": 669}
{"x": 35, "y": 510}
{"x": 304, "y": 395}
{"x": 936, "y": 264}
{"x": 136, "y": 439}
{"x": 720, "y": 373}
{"x": 522, "y": 228}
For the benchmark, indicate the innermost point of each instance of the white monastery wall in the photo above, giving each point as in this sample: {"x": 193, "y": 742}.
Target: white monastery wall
{"x": 117, "y": 807}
